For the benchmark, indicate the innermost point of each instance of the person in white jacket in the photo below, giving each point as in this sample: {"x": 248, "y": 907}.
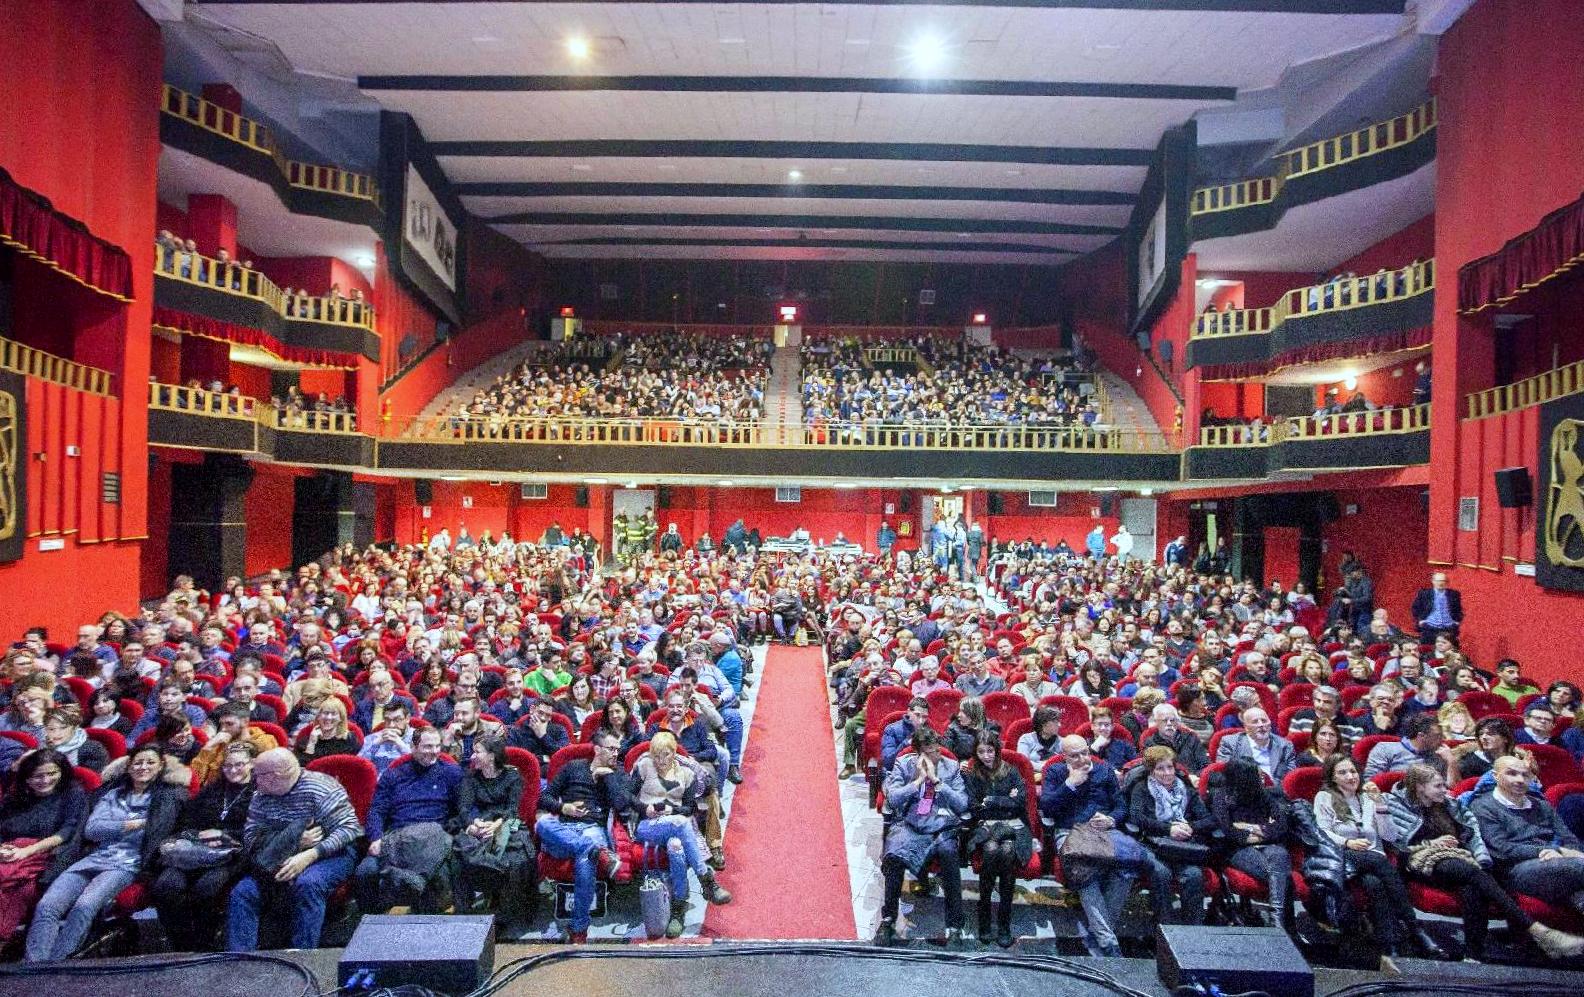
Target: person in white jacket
{"x": 1122, "y": 540}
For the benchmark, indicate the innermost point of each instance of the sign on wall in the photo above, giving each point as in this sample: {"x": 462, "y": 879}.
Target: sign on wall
{"x": 428, "y": 230}
{"x": 1559, "y": 516}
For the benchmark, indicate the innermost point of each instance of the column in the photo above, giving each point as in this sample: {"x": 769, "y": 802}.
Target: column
{"x": 208, "y": 527}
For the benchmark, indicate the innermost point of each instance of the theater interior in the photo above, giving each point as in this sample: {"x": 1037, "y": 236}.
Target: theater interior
{"x": 1058, "y": 495}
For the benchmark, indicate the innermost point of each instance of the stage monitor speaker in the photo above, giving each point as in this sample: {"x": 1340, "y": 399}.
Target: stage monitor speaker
{"x": 423, "y": 491}
{"x": 996, "y": 503}
{"x": 905, "y": 501}
{"x": 663, "y": 497}
{"x": 1231, "y": 960}
{"x": 581, "y": 499}
{"x": 452, "y": 954}
{"x": 1513, "y": 488}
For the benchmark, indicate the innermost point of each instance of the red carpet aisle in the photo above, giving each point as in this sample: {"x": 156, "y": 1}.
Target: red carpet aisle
{"x": 785, "y": 842}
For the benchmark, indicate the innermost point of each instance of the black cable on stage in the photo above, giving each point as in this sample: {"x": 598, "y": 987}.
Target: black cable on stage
{"x": 149, "y": 966}
{"x": 1531, "y": 988}
{"x": 1054, "y": 965}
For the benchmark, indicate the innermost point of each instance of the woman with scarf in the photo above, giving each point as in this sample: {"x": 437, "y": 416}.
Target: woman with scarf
{"x": 63, "y": 731}
{"x": 1000, "y": 836}
{"x": 1174, "y": 827}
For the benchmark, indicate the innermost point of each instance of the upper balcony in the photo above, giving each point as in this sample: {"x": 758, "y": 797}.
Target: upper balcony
{"x": 1374, "y": 154}
{"x": 222, "y": 136}
{"x": 242, "y": 305}
{"x": 1390, "y": 307}
{"x": 1347, "y": 441}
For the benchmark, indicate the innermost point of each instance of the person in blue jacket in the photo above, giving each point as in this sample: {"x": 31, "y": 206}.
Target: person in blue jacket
{"x": 1080, "y": 790}
{"x": 899, "y": 734}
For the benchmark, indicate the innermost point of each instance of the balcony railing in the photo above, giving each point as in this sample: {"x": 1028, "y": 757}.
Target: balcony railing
{"x": 1408, "y": 419}
{"x": 1325, "y": 154}
{"x": 233, "y": 278}
{"x": 1537, "y": 390}
{"x": 297, "y": 420}
{"x": 30, "y": 362}
{"x": 211, "y": 117}
{"x": 200, "y": 401}
{"x": 835, "y": 436}
{"x": 1332, "y": 296}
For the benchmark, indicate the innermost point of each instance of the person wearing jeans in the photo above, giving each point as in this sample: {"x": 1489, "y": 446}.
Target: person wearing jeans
{"x": 285, "y": 796}
{"x": 665, "y": 796}
{"x": 1080, "y": 790}
{"x": 575, "y": 806}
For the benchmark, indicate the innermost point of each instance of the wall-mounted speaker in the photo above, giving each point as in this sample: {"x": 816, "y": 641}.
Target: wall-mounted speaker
{"x": 663, "y": 497}
{"x": 1107, "y": 506}
{"x": 1164, "y": 350}
{"x": 581, "y": 498}
{"x": 1513, "y": 488}
{"x": 996, "y": 503}
{"x": 905, "y": 501}
{"x": 1327, "y": 508}
{"x": 423, "y": 491}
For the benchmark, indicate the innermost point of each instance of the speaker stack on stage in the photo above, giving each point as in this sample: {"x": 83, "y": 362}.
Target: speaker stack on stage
{"x": 447, "y": 953}
{"x": 1231, "y": 961}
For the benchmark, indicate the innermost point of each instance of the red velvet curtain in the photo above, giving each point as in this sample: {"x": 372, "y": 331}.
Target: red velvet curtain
{"x": 30, "y": 225}
{"x": 1550, "y": 248}
{"x": 1393, "y": 343}
{"x": 202, "y": 325}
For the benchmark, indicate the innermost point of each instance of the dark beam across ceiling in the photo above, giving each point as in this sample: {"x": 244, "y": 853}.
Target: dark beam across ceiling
{"x": 797, "y": 84}
{"x": 741, "y": 149}
{"x": 1019, "y": 195}
{"x": 866, "y": 222}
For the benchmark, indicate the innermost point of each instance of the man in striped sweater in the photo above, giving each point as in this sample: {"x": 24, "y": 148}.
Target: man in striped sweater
{"x": 323, "y": 860}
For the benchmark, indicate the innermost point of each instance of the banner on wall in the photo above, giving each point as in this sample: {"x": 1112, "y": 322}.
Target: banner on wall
{"x": 13, "y": 465}
{"x": 428, "y": 230}
{"x": 1559, "y": 516}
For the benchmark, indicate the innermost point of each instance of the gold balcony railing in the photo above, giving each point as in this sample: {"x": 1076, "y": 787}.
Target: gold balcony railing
{"x": 879, "y": 356}
{"x": 1332, "y": 296}
{"x": 1408, "y": 419}
{"x": 1537, "y": 390}
{"x": 233, "y": 278}
{"x": 30, "y": 362}
{"x": 832, "y": 436}
{"x": 212, "y": 117}
{"x": 1325, "y": 154}
{"x": 309, "y": 421}
{"x": 200, "y": 401}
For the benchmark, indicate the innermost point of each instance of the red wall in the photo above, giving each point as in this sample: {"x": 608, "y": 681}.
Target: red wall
{"x": 74, "y": 83}
{"x": 396, "y": 314}
{"x": 1388, "y": 535}
{"x": 419, "y": 385}
{"x": 269, "y": 502}
{"x": 1415, "y": 242}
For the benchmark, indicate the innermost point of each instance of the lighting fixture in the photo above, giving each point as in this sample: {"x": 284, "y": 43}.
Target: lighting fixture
{"x": 926, "y": 54}
{"x": 794, "y": 175}
{"x": 1350, "y": 383}
{"x": 578, "y": 48}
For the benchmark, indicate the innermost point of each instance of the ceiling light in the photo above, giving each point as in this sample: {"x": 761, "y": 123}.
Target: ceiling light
{"x": 594, "y": 481}
{"x": 1350, "y": 383}
{"x": 578, "y": 48}
{"x": 1146, "y": 491}
{"x": 926, "y": 54}
{"x": 581, "y": 168}
{"x": 733, "y": 41}
{"x": 838, "y": 169}
{"x": 452, "y": 477}
{"x": 857, "y": 41}
{"x": 364, "y": 260}
{"x": 1014, "y": 173}
{"x": 794, "y": 175}
{"x": 726, "y": 484}
{"x": 666, "y": 167}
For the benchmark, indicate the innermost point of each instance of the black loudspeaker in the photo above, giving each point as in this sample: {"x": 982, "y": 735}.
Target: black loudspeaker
{"x": 1107, "y": 506}
{"x": 581, "y": 499}
{"x": 663, "y": 497}
{"x": 905, "y": 501}
{"x": 1327, "y": 508}
{"x": 1164, "y": 349}
{"x": 1424, "y": 501}
{"x": 1231, "y": 960}
{"x": 423, "y": 491}
{"x": 996, "y": 504}
{"x": 446, "y": 953}
{"x": 1513, "y": 488}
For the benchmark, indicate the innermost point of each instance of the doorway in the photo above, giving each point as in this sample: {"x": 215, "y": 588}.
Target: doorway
{"x": 627, "y": 503}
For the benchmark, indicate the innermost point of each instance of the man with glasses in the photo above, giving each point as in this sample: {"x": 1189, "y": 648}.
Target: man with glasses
{"x": 1540, "y": 728}
{"x": 575, "y": 810}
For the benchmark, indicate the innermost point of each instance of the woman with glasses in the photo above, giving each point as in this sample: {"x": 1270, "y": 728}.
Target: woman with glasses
{"x": 191, "y": 888}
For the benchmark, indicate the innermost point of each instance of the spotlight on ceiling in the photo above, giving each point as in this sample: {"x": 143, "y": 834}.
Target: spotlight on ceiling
{"x": 1350, "y": 383}
{"x": 926, "y": 54}
{"x": 794, "y": 175}
{"x": 578, "y": 48}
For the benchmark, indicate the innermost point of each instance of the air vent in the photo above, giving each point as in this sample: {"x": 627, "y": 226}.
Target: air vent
{"x": 110, "y": 488}
{"x": 1042, "y": 500}
{"x": 535, "y": 490}
{"x": 792, "y": 494}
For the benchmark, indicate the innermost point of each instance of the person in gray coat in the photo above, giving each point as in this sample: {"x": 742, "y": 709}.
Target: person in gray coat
{"x": 1274, "y": 755}
{"x": 926, "y": 795}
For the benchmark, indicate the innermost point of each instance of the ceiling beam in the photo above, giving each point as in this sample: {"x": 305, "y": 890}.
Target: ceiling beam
{"x": 1236, "y": 6}
{"x": 745, "y": 149}
{"x": 1021, "y": 195}
{"x": 797, "y": 84}
{"x": 867, "y": 222}
{"x": 962, "y": 246}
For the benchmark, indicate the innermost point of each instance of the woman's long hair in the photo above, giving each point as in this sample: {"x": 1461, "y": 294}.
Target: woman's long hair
{"x": 1245, "y": 784}
{"x": 22, "y": 795}
{"x": 995, "y": 770}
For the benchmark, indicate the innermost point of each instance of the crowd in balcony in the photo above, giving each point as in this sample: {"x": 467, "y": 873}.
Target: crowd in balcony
{"x": 294, "y": 410}
{"x": 942, "y": 382}
{"x": 182, "y": 258}
{"x": 682, "y": 378}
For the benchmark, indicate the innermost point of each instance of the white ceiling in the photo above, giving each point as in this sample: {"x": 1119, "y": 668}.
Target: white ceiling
{"x": 1230, "y": 49}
